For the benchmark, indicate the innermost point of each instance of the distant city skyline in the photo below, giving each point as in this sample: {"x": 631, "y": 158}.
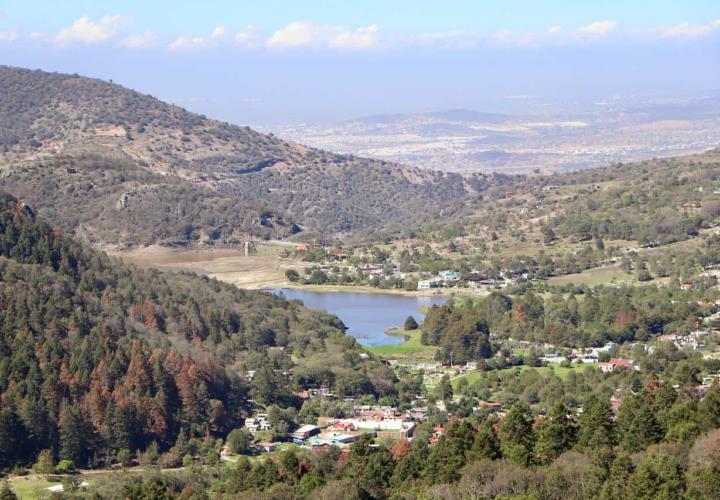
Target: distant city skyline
{"x": 277, "y": 62}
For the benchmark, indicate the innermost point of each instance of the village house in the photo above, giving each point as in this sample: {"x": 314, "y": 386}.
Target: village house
{"x": 615, "y": 363}
{"x": 333, "y": 438}
{"x": 553, "y": 357}
{"x": 428, "y": 284}
{"x": 418, "y": 414}
{"x": 690, "y": 340}
{"x": 488, "y": 405}
{"x": 258, "y": 423}
{"x": 305, "y": 432}
{"x": 449, "y": 275}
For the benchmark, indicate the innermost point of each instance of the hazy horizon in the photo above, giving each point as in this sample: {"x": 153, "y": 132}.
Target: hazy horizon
{"x": 281, "y": 63}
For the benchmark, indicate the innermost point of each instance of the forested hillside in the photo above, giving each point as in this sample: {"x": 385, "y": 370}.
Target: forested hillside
{"x": 98, "y": 357}
{"x": 107, "y": 200}
{"x": 52, "y": 123}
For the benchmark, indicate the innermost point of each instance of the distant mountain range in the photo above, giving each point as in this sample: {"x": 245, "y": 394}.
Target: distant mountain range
{"x": 466, "y": 115}
{"x": 118, "y": 168}
{"x": 543, "y": 137}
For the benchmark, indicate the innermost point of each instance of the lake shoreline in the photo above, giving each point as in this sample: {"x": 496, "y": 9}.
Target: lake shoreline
{"x": 365, "y": 289}
{"x": 369, "y": 317}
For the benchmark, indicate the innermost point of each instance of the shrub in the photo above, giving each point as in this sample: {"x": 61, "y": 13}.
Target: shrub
{"x": 65, "y": 467}
{"x": 411, "y": 324}
{"x": 45, "y": 463}
{"x": 124, "y": 456}
{"x": 239, "y": 441}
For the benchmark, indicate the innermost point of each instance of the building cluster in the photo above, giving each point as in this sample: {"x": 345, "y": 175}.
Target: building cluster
{"x": 337, "y": 262}
{"x": 383, "y": 422}
{"x": 693, "y": 340}
{"x": 473, "y": 280}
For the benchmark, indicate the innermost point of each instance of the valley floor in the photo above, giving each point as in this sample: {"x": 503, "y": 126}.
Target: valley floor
{"x": 263, "y": 269}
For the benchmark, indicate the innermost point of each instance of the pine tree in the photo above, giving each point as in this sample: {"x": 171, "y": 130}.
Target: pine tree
{"x": 72, "y": 436}
{"x": 709, "y": 409}
{"x": 13, "y": 444}
{"x": 657, "y": 476}
{"x": 643, "y": 430}
{"x": 517, "y": 439}
{"x": 556, "y": 434}
{"x": 615, "y": 487}
{"x": 444, "y": 389}
{"x": 596, "y": 427}
{"x": 486, "y": 443}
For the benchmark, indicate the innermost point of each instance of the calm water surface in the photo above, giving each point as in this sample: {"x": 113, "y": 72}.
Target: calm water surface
{"x": 367, "y": 315}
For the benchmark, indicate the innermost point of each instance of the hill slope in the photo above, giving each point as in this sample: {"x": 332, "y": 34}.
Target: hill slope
{"x": 97, "y": 356}
{"x": 51, "y": 123}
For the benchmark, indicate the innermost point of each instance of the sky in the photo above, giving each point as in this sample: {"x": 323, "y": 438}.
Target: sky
{"x": 292, "y": 61}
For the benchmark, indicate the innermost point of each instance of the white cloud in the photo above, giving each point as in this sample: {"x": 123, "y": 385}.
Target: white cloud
{"x": 140, "y": 40}
{"x": 249, "y": 38}
{"x": 599, "y": 28}
{"x": 189, "y": 43}
{"x": 297, "y": 34}
{"x": 85, "y": 30}
{"x": 9, "y": 36}
{"x": 361, "y": 38}
{"x": 307, "y": 34}
{"x": 684, "y": 30}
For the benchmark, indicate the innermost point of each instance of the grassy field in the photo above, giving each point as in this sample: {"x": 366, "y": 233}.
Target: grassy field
{"x": 593, "y": 277}
{"x": 232, "y": 460}
{"x": 31, "y": 487}
{"x": 35, "y": 486}
{"x": 560, "y": 371}
{"x": 263, "y": 269}
{"x": 410, "y": 349}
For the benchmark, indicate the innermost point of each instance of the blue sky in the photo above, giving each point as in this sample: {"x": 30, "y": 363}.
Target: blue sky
{"x": 276, "y": 61}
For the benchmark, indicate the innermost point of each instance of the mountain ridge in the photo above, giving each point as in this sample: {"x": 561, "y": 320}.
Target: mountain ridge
{"x": 51, "y": 121}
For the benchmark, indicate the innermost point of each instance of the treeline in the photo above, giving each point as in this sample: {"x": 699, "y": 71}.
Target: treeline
{"x": 461, "y": 333}
{"x": 97, "y": 357}
{"x": 579, "y": 317}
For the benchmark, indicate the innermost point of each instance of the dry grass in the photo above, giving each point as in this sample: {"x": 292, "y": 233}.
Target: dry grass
{"x": 263, "y": 269}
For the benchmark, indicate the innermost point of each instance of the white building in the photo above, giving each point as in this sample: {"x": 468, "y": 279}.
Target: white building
{"x": 428, "y": 284}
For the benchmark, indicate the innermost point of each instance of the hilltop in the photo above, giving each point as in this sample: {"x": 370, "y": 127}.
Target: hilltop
{"x": 145, "y": 171}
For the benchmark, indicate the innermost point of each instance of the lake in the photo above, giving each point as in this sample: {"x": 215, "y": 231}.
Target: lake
{"x": 367, "y": 315}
